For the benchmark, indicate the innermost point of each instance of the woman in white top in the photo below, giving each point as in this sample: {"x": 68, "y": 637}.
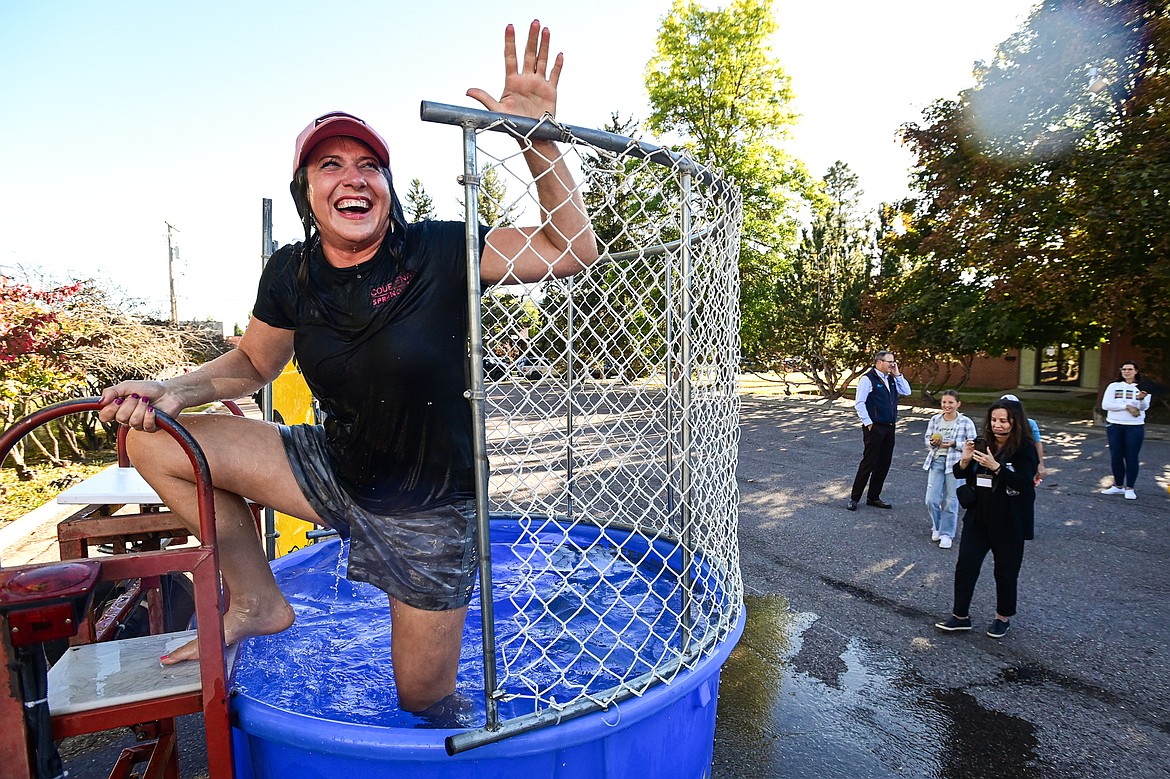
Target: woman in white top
{"x": 1125, "y": 421}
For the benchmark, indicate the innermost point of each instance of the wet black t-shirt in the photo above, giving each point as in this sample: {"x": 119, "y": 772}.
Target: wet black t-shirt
{"x": 384, "y": 350}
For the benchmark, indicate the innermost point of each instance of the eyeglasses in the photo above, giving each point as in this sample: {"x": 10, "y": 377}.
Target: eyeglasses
{"x": 320, "y": 120}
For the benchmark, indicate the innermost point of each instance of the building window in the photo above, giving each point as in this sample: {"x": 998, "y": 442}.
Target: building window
{"x": 1059, "y": 365}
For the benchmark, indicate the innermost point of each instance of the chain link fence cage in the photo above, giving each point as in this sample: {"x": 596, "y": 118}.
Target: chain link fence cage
{"x": 607, "y": 409}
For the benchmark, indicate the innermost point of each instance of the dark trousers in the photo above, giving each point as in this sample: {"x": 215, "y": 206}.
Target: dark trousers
{"x": 1125, "y": 444}
{"x": 875, "y": 460}
{"x": 1002, "y": 538}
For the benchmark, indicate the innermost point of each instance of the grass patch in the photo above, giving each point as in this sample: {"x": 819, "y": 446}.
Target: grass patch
{"x": 17, "y": 497}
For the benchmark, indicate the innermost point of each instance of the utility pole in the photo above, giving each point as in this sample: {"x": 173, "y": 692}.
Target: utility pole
{"x": 172, "y": 252}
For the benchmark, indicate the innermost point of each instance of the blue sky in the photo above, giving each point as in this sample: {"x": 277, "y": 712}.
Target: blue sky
{"x": 119, "y": 117}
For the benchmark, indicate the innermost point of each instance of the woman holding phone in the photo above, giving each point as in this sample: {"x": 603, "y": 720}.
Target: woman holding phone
{"x": 1000, "y": 466}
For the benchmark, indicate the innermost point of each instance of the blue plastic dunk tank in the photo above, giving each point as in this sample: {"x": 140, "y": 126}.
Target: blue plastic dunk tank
{"x": 335, "y": 715}
{"x": 607, "y": 406}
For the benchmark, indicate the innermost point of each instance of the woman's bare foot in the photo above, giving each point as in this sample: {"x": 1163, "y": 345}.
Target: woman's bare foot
{"x": 240, "y": 622}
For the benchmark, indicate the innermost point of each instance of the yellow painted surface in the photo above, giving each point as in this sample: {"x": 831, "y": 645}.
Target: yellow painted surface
{"x": 292, "y": 400}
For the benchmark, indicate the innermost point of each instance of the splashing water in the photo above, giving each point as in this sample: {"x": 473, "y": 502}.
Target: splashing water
{"x": 579, "y": 619}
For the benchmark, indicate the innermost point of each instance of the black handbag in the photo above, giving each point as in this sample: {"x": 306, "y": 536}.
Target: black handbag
{"x": 966, "y": 495}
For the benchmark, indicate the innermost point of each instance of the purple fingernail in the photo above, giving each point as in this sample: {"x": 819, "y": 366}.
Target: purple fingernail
{"x": 134, "y": 395}
{"x": 146, "y": 401}
{"x": 118, "y": 401}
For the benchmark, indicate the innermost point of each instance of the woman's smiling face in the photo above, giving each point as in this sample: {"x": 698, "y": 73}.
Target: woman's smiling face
{"x": 349, "y": 196}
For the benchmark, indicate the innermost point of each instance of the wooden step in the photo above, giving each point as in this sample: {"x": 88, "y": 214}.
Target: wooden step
{"x": 114, "y": 673}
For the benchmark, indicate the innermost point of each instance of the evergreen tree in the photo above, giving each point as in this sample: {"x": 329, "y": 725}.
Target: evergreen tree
{"x": 818, "y": 319}
{"x": 419, "y": 206}
{"x": 492, "y": 204}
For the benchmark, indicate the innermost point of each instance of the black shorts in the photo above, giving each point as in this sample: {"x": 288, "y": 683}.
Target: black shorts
{"x": 425, "y": 559}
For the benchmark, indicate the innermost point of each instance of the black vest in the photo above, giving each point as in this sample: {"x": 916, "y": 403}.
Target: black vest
{"x": 881, "y": 403}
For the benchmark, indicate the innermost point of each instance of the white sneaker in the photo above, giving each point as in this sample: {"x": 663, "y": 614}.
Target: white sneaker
{"x": 1113, "y": 491}
{"x": 934, "y": 535}
{"x": 944, "y": 542}
{"x": 1130, "y": 495}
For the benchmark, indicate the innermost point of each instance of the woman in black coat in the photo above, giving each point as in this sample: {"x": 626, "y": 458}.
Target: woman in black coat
{"x": 1001, "y": 518}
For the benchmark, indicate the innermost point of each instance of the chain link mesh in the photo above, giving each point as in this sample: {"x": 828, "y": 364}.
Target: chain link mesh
{"x": 611, "y": 401}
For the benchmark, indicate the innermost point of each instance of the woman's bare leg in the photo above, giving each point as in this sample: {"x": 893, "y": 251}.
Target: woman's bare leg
{"x": 424, "y": 647}
{"x": 246, "y": 457}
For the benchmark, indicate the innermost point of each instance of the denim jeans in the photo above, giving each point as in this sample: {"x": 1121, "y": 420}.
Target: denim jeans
{"x": 1125, "y": 444}
{"x": 940, "y": 497}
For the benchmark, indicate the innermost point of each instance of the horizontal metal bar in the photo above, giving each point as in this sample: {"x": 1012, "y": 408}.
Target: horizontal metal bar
{"x": 470, "y": 739}
{"x": 548, "y": 129}
{"x": 314, "y": 535}
{"x": 655, "y": 251}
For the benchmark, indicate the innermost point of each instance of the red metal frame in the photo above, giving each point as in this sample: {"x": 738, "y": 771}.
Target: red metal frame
{"x": 202, "y": 562}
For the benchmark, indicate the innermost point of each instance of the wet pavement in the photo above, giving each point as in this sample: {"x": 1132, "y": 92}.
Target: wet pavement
{"x": 877, "y": 718}
{"x": 840, "y": 673}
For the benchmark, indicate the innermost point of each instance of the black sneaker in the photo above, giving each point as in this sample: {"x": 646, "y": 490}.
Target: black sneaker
{"x": 954, "y": 624}
{"x": 998, "y": 629}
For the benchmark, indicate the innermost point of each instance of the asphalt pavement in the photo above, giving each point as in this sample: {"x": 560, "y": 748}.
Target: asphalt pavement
{"x": 841, "y": 672}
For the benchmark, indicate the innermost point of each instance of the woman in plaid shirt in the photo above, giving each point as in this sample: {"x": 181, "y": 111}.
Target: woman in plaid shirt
{"x": 945, "y": 435}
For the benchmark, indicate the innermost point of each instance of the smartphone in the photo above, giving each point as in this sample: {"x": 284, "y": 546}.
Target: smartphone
{"x": 981, "y": 445}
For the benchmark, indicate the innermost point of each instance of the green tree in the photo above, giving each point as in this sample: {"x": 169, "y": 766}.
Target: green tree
{"x": 419, "y": 206}
{"x": 714, "y": 82}
{"x": 926, "y": 310}
{"x": 818, "y": 319}
{"x": 1043, "y": 188}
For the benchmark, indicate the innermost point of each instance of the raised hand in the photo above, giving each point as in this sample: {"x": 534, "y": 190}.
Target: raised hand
{"x": 528, "y": 91}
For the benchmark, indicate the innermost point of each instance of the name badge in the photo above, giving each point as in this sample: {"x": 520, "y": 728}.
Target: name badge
{"x": 983, "y": 481}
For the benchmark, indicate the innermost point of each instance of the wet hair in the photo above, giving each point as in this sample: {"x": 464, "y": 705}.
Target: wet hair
{"x": 1137, "y": 371}
{"x": 1018, "y": 436}
{"x": 394, "y": 242}
{"x": 950, "y": 394}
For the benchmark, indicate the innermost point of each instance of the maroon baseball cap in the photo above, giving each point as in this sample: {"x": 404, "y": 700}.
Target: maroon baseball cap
{"x": 335, "y": 124}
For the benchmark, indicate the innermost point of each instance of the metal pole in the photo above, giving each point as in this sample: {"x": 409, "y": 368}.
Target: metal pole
{"x": 171, "y": 272}
{"x": 265, "y": 230}
{"x": 270, "y": 534}
{"x": 686, "y": 259}
{"x": 476, "y": 395}
{"x": 569, "y": 421}
{"x": 669, "y": 367}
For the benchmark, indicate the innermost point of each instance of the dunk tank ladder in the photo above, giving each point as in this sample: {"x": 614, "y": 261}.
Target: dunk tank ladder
{"x": 85, "y": 696}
